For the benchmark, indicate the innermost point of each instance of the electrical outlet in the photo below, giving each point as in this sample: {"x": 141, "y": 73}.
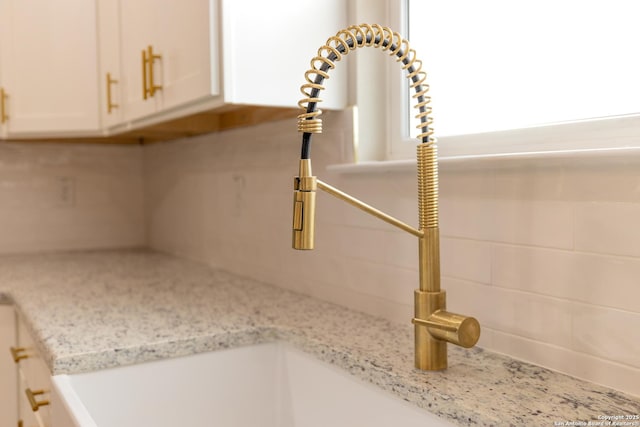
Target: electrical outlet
{"x": 66, "y": 189}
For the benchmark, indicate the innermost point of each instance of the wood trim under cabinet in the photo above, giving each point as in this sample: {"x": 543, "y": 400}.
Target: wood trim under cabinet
{"x": 196, "y": 124}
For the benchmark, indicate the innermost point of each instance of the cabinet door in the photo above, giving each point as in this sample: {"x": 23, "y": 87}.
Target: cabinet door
{"x": 8, "y": 379}
{"x": 4, "y": 93}
{"x": 179, "y": 32}
{"x": 185, "y": 33}
{"x": 34, "y": 375}
{"x": 4, "y": 98}
{"x": 109, "y": 78}
{"x": 137, "y": 22}
{"x": 26, "y": 414}
{"x": 49, "y": 67}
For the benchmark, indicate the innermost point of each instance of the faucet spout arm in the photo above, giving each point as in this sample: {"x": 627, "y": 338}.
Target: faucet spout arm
{"x": 369, "y": 209}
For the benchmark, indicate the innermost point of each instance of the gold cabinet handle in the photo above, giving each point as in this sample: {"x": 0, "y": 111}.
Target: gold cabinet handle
{"x": 3, "y": 106}
{"x": 145, "y": 92}
{"x": 31, "y": 396}
{"x": 149, "y": 87}
{"x": 16, "y": 353}
{"x": 110, "y": 104}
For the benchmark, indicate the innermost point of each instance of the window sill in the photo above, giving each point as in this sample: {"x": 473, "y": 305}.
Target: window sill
{"x": 596, "y": 156}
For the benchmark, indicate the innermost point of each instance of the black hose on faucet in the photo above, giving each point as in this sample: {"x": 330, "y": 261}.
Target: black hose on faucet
{"x": 311, "y": 107}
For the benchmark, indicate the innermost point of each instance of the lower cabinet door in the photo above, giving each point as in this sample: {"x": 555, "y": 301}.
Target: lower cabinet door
{"x": 27, "y": 415}
{"x": 34, "y": 381}
{"x": 8, "y": 379}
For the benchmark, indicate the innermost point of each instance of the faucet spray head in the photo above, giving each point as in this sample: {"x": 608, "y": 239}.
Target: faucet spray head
{"x": 304, "y": 206}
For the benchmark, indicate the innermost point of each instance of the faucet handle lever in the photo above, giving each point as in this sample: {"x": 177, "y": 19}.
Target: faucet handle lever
{"x": 451, "y": 327}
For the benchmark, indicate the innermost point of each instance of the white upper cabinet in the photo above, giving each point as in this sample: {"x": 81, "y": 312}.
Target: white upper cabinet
{"x": 268, "y": 45}
{"x": 178, "y": 58}
{"x": 49, "y": 67}
{"x": 4, "y": 95}
{"x": 3, "y": 91}
{"x": 166, "y": 54}
{"x": 102, "y": 67}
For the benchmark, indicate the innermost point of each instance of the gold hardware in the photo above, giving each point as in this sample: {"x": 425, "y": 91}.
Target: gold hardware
{"x": 427, "y": 161}
{"x": 31, "y": 397}
{"x": 20, "y": 423}
{"x": 16, "y": 353}
{"x": 110, "y": 104}
{"x": 347, "y": 40}
{"x": 368, "y": 208}
{"x": 144, "y": 75}
{"x": 433, "y": 325}
{"x": 149, "y": 87}
{"x": 3, "y": 106}
{"x": 304, "y": 207}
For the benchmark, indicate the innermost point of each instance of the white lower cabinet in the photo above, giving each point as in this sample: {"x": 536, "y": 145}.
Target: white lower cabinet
{"x": 8, "y": 372}
{"x": 34, "y": 382}
{"x": 28, "y": 417}
{"x": 26, "y": 396}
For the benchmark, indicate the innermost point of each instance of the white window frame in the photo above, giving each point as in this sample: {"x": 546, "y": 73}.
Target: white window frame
{"x": 615, "y": 133}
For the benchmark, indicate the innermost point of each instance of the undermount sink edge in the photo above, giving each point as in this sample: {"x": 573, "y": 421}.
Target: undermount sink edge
{"x": 264, "y": 385}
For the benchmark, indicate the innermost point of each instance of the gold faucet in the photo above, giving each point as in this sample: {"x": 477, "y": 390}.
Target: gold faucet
{"x": 434, "y": 325}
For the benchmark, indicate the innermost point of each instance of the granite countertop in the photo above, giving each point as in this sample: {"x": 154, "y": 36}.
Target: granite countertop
{"x": 96, "y": 310}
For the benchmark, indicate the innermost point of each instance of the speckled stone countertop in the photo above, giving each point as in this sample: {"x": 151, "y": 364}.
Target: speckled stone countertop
{"x": 95, "y": 310}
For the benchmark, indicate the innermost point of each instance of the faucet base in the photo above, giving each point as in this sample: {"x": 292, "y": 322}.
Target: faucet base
{"x": 431, "y": 353}
{"x": 435, "y": 327}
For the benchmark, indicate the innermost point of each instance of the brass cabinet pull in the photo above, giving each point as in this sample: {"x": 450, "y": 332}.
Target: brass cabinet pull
{"x": 144, "y": 75}
{"x": 149, "y": 87}
{"x": 110, "y": 104}
{"x": 31, "y": 396}
{"x": 16, "y": 353}
{"x": 3, "y": 106}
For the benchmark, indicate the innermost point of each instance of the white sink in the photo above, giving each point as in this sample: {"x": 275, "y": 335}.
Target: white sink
{"x": 267, "y": 385}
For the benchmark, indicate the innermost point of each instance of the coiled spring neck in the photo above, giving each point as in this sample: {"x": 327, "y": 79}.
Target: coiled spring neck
{"x": 345, "y": 41}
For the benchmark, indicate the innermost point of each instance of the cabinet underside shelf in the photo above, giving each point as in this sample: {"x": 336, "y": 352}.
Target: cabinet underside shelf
{"x": 195, "y": 124}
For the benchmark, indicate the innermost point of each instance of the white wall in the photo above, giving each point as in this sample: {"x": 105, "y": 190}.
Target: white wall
{"x": 547, "y": 257}
{"x": 70, "y": 196}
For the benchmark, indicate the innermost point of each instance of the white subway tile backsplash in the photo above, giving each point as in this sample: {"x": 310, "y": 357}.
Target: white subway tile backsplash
{"x": 386, "y": 247}
{"x": 609, "y": 334}
{"x": 370, "y": 304}
{"x": 574, "y": 363}
{"x": 578, "y": 276}
{"x": 619, "y": 182}
{"x": 466, "y": 259}
{"x": 470, "y": 299}
{"x": 533, "y": 316}
{"x": 537, "y": 223}
{"x": 380, "y": 280}
{"x": 608, "y": 228}
{"x": 519, "y": 313}
{"x": 466, "y": 183}
{"x": 467, "y": 218}
{"x": 531, "y": 183}
{"x": 67, "y": 197}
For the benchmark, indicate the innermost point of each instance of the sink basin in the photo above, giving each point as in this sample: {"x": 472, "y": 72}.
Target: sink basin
{"x": 266, "y": 385}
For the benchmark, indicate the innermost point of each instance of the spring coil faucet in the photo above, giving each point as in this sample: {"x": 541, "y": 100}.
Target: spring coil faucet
{"x": 434, "y": 325}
